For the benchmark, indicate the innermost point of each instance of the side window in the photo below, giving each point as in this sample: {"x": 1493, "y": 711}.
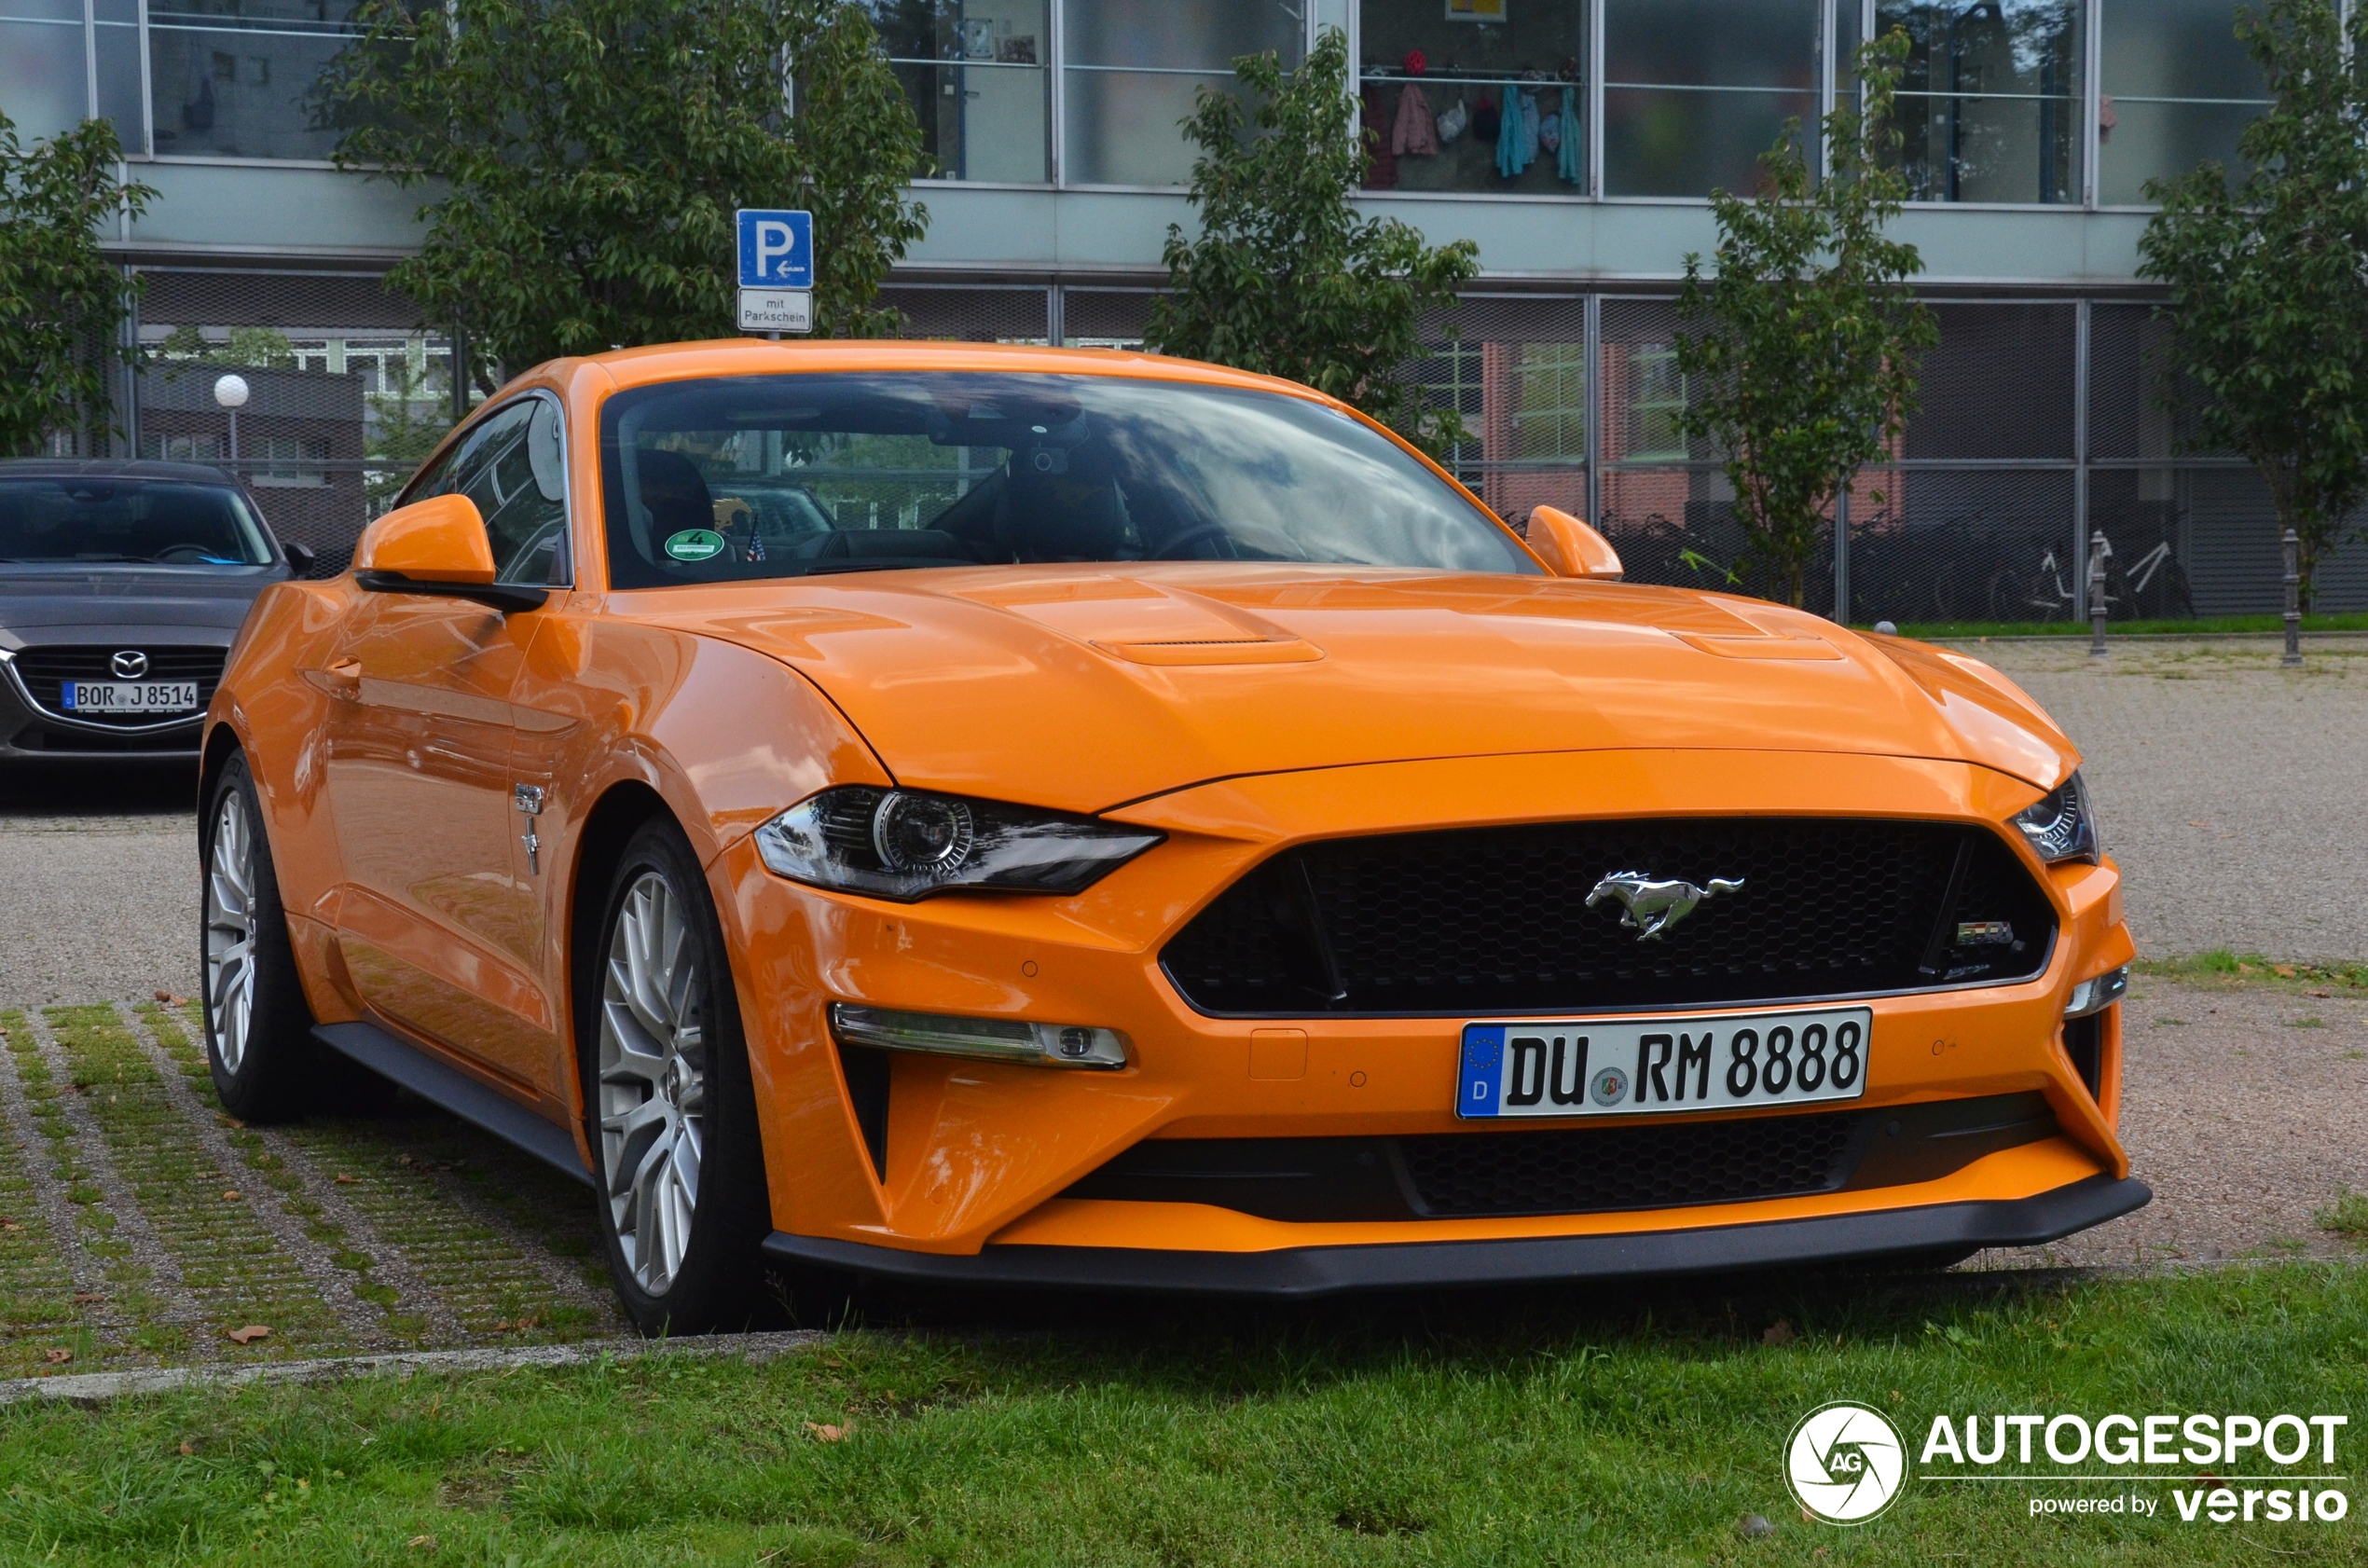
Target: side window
{"x": 511, "y": 466}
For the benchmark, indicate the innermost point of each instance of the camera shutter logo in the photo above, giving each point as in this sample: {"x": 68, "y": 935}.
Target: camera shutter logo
{"x": 130, "y": 665}
{"x": 1845, "y": 1463}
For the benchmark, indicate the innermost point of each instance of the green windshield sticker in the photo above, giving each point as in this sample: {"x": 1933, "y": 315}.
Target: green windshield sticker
{"x": 696, "y": 545}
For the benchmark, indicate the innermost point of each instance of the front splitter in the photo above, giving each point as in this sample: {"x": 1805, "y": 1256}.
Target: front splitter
{"x": 1323, "y": 1271}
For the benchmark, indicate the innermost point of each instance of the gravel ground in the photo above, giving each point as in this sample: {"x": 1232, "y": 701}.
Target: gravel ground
{"x": 103, "y": 871}
{"x": 2229, "y": 789}
{"x": 2244, "y": 1110}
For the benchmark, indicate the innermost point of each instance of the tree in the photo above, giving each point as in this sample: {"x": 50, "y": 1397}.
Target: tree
{"x": 595, "y": 150}
{"x": 1805, "y": 370}
{"x": 1286, "y": 278}
{"x": 2268, "y": 313}
{"x": 62, "y": 302}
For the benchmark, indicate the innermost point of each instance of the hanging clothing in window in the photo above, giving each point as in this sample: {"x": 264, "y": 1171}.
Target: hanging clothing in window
{"x": 1515, "y": 131}
{"x": 1487, "y": 120}
{"x": 1531, "y": 121}
{"x": 1416, "y": 136}
{"x": 1568, "y": 162}
{"x": 1451, "y": 123}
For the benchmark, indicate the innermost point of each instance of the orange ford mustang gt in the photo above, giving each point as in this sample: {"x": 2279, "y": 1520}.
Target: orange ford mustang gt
{"x": 1030, "y": 816}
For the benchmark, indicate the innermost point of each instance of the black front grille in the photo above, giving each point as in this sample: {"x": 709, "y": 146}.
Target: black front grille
{"x": 45, "y": 672}
{"x": 1598, "y": 1167}
{"x": 1589, "y": 1170}
{"x": 1495, "y": 920}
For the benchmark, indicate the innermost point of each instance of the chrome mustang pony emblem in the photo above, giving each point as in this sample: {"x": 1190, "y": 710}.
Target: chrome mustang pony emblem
{"x": 1651, "y": 907}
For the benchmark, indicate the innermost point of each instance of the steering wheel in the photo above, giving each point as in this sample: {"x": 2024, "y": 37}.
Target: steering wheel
{"x": 1167, "y": 551}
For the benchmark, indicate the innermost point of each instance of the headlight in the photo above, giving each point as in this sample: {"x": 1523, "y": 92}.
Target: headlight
{"x": 2061, "y": 827}
{"x": 908, "y": 844}
{"x": 994, "y": 1039}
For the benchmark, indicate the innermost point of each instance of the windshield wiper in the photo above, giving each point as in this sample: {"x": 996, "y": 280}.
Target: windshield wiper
{"x": 817, "y": 569}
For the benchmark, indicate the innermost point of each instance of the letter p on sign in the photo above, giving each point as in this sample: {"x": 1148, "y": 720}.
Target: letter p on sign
{"x": 777, "y": 249}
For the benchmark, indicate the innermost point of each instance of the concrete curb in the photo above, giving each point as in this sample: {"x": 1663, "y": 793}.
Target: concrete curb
{"x": 96, "y": 1388}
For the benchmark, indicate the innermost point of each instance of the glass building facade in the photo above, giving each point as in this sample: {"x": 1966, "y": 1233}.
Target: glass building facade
{"x": 1575, "y": 141}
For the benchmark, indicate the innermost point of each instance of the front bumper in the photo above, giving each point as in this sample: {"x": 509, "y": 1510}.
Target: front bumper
{"x": 31, "y": 734}
{"x": 1323, "y": 1271}
{"x": 966, "y": 1161}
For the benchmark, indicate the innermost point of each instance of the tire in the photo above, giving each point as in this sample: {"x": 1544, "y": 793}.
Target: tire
{"x": 669, "y": 1109}
{"x": 258, "y": 1028}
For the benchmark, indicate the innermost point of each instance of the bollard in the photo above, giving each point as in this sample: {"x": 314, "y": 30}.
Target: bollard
{"x": 2293, "y": 600}
{"x": 2099, "y": 552}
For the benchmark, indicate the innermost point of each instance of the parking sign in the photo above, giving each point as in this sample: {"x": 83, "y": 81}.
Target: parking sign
{"x": 777, "y": 249}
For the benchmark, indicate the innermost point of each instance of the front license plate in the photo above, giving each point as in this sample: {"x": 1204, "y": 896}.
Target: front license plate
{"x": 1631, "y": 1067}
{"x": 132, "y": 696}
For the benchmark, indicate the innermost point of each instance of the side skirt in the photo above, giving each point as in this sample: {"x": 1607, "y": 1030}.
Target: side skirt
{"x": 1321, "y": 1270}
{"x": 402, "y": 1063}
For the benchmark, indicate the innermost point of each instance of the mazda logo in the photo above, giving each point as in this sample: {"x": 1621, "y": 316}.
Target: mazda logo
{"x": 130, "y": 665}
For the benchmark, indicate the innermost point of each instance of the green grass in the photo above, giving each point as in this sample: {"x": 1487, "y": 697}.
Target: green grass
{"x": 1951, "y": 631}
{"x": 2346, "y": 1217}
{"x": 1618, "y": 1427}
{"x": 2223, "y": 969}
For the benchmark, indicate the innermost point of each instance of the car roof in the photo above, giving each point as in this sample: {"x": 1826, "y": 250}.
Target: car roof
{"x": 752, "y": 356}
{"x": 112, "y": 468}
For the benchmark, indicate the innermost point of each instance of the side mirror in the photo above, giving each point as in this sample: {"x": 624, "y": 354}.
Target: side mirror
{"x": 437, "y": 547}
{"x": 1570, "y": 548}
{"x": 302, "y": 558}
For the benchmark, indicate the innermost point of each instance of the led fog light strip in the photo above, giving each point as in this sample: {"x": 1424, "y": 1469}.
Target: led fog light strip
{"x": 995, "y": 1040}
{"x": 2096, "y": 996}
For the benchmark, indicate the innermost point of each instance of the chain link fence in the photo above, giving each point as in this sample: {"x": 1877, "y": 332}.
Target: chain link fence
{"x": 2038, "y": 425}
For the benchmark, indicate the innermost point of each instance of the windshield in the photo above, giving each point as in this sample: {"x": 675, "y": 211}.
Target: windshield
{"x": 77, "y": 520}
{"x": 764, "y": 476}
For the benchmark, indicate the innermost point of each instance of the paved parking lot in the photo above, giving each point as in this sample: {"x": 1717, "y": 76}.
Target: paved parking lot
{"x": 139, "y": 1225}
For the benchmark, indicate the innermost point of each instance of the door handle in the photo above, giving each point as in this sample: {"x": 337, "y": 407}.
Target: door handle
{"x": 343, "y": 679}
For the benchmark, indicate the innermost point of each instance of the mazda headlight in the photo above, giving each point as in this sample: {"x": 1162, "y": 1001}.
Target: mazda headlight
{"x": 909, "y": 843}
{"x": 2061, "y": 827}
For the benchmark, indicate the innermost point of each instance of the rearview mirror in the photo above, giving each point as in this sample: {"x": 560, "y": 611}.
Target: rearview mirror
{"x": 437, "y": 547}
{"x": 1570, "y": 548}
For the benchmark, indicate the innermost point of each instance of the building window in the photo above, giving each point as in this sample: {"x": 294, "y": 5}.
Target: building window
{"x": 1695, "y": 91}
{"x": 234, "y": 81}
{"x": 2177, "y": 90}
{"x": 1990, "y": 101}
{"x": 1132, "y": 68}
{"x": 1550, "y": 418}
{"x": 1438, "y": 75}
{"x": 1656, "y": 406}
{"x": 47, "y": 76}
{"x": 979, "y": 75}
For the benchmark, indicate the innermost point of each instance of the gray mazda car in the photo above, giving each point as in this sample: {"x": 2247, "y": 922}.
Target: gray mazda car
{"x": 121, "y": 586}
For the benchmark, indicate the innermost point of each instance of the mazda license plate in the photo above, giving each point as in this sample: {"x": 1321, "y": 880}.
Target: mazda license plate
{"x": 130, "y": 696}
{"x": 1631, "y": 1067}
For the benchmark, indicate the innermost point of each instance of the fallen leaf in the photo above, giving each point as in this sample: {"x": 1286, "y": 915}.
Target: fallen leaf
{"x": 88, "y": 1298}
{"x": 530, "y": 1323}
{"x": 2285, "y": 971}
{"x": 2200, "y": 824}
{"x": 1778, "y": 1333}
{"x": 824, "y": 1432}
{"x": 427, "y": 1541}
{"x": 248, "y": 1335}
{"x": 344, "y": 1180}
{"x": 230, "y": 1195}
{"x": 501, "y": 1324}
{"x": 9, "y": 1225}
{"x": 59, "y": 1356}
{"x": 188, "y": 1447}
{"x": 2321, "y": 994}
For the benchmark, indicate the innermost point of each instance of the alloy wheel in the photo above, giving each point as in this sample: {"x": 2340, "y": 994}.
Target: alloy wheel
{"x": 652, "y": 1080}
{"x": 230, "y": 932}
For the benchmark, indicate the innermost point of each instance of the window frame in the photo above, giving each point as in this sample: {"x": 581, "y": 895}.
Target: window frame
{"x": 430, "y": 480}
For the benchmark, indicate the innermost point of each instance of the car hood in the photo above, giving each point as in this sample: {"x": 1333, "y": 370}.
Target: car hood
{"x": 1087, "y": 687}
{"x": 32, "y": 599}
